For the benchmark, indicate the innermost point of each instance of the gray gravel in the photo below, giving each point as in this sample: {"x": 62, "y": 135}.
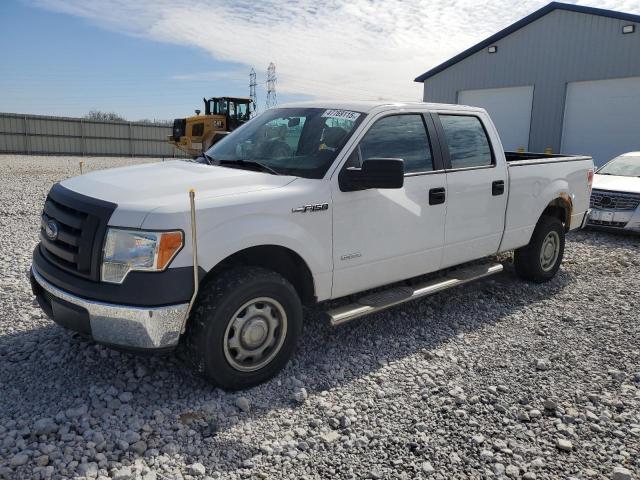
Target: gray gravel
{"x": 498, "y": 379}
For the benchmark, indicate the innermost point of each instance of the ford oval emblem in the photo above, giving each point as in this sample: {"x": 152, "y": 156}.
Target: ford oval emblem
{"x": 51, "y": 230}
{"x": 606, "y": 201}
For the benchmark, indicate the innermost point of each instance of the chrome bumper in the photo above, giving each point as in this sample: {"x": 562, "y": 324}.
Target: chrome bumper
{"x": 125, "y": 326}
{"x": 585, "y": 218}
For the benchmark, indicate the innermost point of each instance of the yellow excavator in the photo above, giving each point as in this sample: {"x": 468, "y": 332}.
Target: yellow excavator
{"x": 222, "y": 115}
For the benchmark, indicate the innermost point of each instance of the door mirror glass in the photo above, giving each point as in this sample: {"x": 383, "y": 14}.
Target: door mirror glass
{"x": 374, "y": 173}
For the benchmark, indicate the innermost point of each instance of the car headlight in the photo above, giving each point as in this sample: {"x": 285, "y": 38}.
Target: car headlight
{"x": 135, "y": 250}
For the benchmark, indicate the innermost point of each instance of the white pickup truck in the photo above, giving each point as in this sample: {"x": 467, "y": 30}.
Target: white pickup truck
{"x": 305, "y": 203}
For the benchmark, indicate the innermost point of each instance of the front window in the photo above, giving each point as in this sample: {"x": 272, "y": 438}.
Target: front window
{"x": 217, "y": 107}
{"x": 292, "y": 141}
{"x": 625, "y": 166}
{"x": 399, "y": 136}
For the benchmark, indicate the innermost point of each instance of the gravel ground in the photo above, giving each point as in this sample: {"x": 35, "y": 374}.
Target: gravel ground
{"x": 497, "y": 379}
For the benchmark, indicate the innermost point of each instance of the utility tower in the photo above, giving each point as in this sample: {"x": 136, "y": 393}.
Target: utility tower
{"x": 252, "y": 91}
{"x": 272, "y": 100}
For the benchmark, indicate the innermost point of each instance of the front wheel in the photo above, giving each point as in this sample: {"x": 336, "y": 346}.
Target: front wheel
{"x": 540, "y": 260}
{"x": 244, "y": 328}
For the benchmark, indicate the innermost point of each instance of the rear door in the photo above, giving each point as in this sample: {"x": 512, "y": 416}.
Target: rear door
{"x": 476, "y": 187}
{"x": 385, "y": 235}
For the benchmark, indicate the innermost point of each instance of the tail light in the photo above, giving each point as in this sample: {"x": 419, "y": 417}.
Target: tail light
{"x": 590, "y": 179}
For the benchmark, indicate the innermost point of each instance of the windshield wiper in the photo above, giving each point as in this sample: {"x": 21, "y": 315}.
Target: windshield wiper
{"x": 249, "y": 163}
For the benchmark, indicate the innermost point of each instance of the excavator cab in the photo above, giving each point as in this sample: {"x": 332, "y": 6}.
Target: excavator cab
{"x": 222, "y": 115}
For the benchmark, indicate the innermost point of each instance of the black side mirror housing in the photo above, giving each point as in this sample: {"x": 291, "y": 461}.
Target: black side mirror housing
{"x": 374, "y": 173}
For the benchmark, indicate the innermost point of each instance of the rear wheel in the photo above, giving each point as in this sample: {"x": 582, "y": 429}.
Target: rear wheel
{"x": 540, "y": 260}
{"x": 244, "y": 327}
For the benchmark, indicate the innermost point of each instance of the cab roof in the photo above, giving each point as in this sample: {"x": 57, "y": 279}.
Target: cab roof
{"x": 371, "y": 105}
{"x": 242, "y": 99}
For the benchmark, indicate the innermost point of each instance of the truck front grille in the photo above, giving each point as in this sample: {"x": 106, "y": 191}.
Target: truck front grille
{"x": 614, "y": 200}
{"x": 72, "y": 231}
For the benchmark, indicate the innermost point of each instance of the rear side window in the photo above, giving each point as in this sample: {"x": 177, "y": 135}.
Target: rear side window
{"x": 399, "y": 136}
{"x": 467, "y": 141}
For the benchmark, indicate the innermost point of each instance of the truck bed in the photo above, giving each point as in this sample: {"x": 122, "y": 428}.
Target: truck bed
{"x": 535, "y": 179}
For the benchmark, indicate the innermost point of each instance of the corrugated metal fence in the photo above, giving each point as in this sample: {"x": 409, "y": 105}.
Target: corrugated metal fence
{"x": 45, "y": 135}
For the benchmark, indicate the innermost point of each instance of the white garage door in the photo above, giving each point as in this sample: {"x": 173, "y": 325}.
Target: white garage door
{"x": 602, "y": 118}
{"x": 510, "y": 109}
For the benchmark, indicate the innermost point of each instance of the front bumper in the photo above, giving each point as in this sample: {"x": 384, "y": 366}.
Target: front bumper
{"x": 129, "y": 327}
{"x": 627, "y": 221}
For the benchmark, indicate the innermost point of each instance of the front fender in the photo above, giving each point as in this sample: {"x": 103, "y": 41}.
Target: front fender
{"x": 236, "y": 234}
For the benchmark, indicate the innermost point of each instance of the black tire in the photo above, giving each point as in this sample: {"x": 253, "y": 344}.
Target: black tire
{"x": 528, "y": 260}
{"x": 214, "y": 312}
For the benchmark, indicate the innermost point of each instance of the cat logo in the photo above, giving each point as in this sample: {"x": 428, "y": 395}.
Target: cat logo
{"x": 318, "y": 207}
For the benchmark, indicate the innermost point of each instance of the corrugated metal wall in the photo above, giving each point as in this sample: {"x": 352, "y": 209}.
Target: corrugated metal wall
{"x": 44, "y": 135}
{"x": 559, "y": 48}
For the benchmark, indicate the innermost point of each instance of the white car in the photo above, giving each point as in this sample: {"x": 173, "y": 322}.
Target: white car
{"x": 615, "y": 199}
{"x": 305, "y": 203}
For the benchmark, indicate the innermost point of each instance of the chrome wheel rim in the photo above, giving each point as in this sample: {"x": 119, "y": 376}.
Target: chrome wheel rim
{"x": 550, "y": 251}
{"x": 255, "y": 334}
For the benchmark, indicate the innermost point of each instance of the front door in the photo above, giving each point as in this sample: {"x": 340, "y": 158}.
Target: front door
{"x": 385, "y": 235}
{"x": 476, "y": 189}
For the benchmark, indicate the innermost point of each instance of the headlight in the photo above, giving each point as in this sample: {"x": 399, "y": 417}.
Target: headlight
{"x": 135, "y": 250}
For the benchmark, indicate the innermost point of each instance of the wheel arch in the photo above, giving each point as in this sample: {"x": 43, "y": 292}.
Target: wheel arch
{"x": 561, "y": 208}
{"x": 277, "y": 258}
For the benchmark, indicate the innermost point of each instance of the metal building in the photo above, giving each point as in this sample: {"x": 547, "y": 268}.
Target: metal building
{"x": 565, "y": 77}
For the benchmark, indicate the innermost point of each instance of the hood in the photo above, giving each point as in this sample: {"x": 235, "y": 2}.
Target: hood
{"x": 139, "y": 189}
{"x": 615, "y": 183}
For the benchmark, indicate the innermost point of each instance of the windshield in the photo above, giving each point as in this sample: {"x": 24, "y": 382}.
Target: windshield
{"x": 625, "y": 166}
{"x": 292, "y": 141}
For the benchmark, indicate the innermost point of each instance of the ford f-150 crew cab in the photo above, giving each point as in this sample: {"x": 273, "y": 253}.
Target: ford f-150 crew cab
{"x": 305, "y": 203}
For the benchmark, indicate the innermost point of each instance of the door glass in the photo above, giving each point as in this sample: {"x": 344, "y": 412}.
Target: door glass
{"x": 243, "y": 111}
{"x": 467, "y": 141}
{"x": 232, "y": 110}
{"x": 399, "y": 136}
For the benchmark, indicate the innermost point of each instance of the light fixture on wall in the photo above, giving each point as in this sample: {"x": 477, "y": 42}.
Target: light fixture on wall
{"x": 628, "y": 29}
{"x": 492, "y": 49}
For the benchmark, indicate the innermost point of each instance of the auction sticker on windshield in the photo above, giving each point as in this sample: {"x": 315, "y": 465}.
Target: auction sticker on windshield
{"x": 343, "y": 114}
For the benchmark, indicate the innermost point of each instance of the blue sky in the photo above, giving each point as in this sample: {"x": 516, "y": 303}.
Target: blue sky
{"x": 59, "y": 64}
{"x": 158, "y": 58}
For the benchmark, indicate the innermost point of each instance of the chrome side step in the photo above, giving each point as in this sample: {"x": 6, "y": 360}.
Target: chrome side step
{"x": 388, "y": 298}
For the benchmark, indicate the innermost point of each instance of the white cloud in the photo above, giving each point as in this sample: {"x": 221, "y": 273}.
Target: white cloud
{"x": 356, "y": 49}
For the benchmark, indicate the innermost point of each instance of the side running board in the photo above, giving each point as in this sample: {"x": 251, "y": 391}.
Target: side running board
{"x": 394, "y": 296}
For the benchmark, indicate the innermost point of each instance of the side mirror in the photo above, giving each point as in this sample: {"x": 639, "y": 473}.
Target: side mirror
{"x": 197, "y": 112}
{"x": 374, "y": 173}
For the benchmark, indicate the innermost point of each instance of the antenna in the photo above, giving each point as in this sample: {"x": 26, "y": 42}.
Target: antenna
{"x": 252, "y": 91}
{"x": 272, "y": 99}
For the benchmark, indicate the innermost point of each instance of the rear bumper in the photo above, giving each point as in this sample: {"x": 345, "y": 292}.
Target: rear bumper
{"x": 129, "y": 327}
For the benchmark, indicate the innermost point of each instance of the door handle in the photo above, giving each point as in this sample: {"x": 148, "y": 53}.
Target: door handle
{"x": 437, "y": 196}
{"x": 497, "y": 188}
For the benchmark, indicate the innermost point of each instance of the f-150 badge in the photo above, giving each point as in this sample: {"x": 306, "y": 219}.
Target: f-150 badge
{"x": 318, "y": 207}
